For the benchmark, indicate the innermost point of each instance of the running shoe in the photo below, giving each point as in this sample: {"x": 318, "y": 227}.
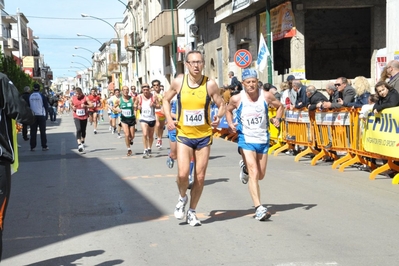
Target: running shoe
{"x": 119, "y": 136}
{"x": 243, "y": 172}
{"x": 149, "y": 152}
{"x": 192, "y": 219}
{"x": 129, "y": 152}
{"x": 159, "y": 143}
{"x": 170, "y": 162}
{"x": 262, "y": 214}
{"x": 95, "y": 131}
{"x": 180, "y": 208}
{"x": 110, "y": 128}
{"x": 145, "y": 154}
{"x": 81, "y": 148}
{"x": 45, "y": 149}
{"x": 131, "y": 142}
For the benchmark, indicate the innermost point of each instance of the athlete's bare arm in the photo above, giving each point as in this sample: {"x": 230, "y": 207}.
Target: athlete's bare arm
{"x": 214, "y": 93}
{"x": 174, "y": 89}
{"x": 233, "y": 104}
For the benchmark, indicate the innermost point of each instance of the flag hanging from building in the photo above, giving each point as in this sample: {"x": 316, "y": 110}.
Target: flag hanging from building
{"x": 263, "y": 53}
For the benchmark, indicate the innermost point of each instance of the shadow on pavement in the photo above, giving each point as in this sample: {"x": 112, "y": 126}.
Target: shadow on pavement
{"x": 69, "y": 259}
{"x": 60, "y": 194}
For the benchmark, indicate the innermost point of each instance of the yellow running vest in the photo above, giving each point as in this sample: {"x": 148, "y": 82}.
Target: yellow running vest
{"x": 193, "y": 110}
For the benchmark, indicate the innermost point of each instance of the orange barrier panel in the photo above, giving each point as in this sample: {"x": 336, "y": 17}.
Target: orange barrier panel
{"x": 297, "y": 130}
{"x": 332, "y": 131}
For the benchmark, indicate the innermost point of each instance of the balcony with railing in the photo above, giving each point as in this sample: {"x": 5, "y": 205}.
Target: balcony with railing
{"x": 161, "y": 29}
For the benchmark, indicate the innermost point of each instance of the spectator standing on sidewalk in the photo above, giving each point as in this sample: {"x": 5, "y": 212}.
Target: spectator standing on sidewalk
{"x": 39, "y": 105}
{"x": 25, "y": 96}
{"x": 11, "y": 107}
{"x": 392, "y": 69}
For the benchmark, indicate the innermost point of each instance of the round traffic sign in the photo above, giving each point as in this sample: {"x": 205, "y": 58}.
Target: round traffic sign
{"x": 243, "y": 58}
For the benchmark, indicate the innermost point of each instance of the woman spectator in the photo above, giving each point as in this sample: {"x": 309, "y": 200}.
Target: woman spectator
{"x": 387, "y": 97}
{"x": 362, "y": 88}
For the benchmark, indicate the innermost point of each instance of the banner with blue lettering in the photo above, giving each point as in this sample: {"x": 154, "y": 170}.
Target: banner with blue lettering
{"x": 223, "y": 121}
{"x": 381, "y": 134}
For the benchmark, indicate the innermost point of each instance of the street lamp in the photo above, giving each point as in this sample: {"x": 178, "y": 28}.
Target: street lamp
{"x": 80, "y": 64}
{"x": 118, "y": 45}
{"x": 88, "y": 69}
{"x": 101, "y": 44}
{"x": 74, "y": 55}
{"x": 78, "y": 47}
{"x": 82, "y": 35}
{"x": 92, "y": 74}
{"x": 128, "y": 7}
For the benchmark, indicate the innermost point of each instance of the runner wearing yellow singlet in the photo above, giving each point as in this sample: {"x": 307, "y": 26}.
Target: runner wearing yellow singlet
{"x": 160, "y": 117}
{"x": 115, "y": 114}
{"x": 194, "y": 129}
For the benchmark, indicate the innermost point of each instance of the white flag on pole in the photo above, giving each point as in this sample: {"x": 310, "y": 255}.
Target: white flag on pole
{"x": 263, "y": 53}
{"x": 173, "y": 67}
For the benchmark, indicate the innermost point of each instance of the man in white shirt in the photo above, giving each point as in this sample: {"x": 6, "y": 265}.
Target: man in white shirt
{"x": 39, "y": 105}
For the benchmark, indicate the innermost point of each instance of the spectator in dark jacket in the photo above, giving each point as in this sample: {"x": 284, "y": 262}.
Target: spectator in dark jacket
{"x": 362, "y": 88}
{"x": 301, "y": 98}
{"x": 346, "y": 91}
{"x": 387, "y": 97}
{"x": 315, "y": 97}
{"x": 12, "y": 106}
{"x": 25, "y": 96}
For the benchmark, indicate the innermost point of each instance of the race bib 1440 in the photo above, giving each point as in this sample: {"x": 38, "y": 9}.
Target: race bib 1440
{"x": 194, "y": 117}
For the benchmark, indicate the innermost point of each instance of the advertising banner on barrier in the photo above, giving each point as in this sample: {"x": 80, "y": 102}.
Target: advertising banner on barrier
{"x": 297, "y": 116}
{"x": 381, "y": 133}
{"x": 333, "y": 119}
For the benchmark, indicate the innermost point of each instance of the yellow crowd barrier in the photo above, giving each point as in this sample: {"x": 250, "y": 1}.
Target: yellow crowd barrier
{"x": 339, "y": 134}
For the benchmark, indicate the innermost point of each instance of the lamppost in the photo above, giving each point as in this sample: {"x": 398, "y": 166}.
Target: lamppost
{"x": 128, "y": 7}
{"x": 74, "y": 55}
{"x": 78, "y": 47}
{"x": 83, "y": 71}
{"x": 82, "y": 35}
{"x": 88, "y": 69}
{"x": 92, "y": 76}
{"x": 118, "y": 45}
{"x": 101, "y": 44}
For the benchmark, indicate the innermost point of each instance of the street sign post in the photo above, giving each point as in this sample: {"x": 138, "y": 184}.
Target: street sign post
{"x": 243, "y": 58}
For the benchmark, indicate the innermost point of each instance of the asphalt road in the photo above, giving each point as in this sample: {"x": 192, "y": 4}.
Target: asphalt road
{"x": 103, "y": 208}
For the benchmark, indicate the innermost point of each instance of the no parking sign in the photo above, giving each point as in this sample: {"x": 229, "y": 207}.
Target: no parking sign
{"x": 243, "y": 58}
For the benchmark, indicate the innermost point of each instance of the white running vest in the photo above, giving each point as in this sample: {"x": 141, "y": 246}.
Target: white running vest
{"x": 252, "y": 118}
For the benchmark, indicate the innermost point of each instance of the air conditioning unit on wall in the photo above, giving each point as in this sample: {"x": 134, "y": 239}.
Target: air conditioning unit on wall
{"x": 193, "y": 30}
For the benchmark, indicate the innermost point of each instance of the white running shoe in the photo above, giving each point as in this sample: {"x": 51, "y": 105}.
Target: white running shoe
{"x": 170, "y": 162}
{"x": 81, "y": 148}
{"x": 262, "y": 214}
{"x": 192, "y": 219}
{"x": 243, "y": 172}
{"x": 180, "y": 208}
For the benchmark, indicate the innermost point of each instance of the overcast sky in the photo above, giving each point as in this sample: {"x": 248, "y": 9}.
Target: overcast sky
{"x": 56, "y": 23}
